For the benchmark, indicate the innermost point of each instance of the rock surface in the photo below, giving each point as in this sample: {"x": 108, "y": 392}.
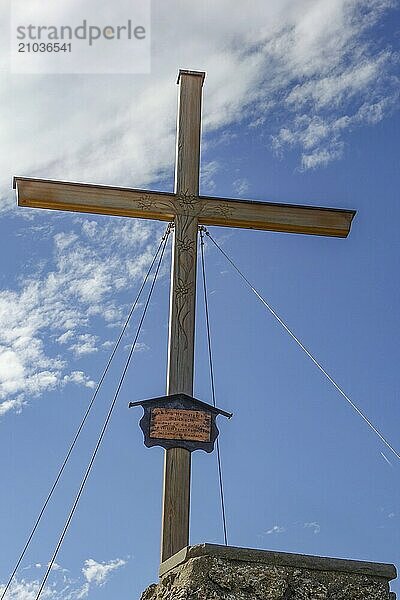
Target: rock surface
{"x": 211, "y": 577}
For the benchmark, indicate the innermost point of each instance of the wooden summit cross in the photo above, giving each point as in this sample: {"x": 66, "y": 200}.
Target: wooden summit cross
{"x": 187, "y": 209}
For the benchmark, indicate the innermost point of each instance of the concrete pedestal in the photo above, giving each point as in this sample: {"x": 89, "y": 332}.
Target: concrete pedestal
{"x": 211, "y": 572}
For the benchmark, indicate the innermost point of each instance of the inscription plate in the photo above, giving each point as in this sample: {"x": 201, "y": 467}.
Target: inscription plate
{"x": 176, "y": 424}
{"x": 179, "y": 421}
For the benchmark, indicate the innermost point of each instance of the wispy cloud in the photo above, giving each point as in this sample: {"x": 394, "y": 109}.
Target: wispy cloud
{"x": 275, "y": 529}
{"x": 208, "y": 172}
{"x": 241, "y": 186}
{"x": 99, "y": 572}
{"x": 302, "y": 72}
{"x": 63, "y": 586}
{"x": 27, "y": 590}
{"x": 314, "y": 526}
{"x": 11, "y": 405}
{"x": 45, "y": 322}
{"x": 79, "y": 378}
{"x": 286, "y": 66}
{"x": 351, "y": 83}
{"x": 84, "y": 344}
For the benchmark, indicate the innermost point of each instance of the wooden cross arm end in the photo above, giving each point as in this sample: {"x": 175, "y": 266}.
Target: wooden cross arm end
{"x": 93, "y": 198}
{"x": 268, "y": 216}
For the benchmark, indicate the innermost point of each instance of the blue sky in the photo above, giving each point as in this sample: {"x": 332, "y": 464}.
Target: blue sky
{"x": 300, "y": 106}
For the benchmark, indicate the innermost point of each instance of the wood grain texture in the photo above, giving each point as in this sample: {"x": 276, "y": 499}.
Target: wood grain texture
{"x": 98, "y": 199}
{"x": 275, "y": 217}
{"x": 182, "y": 307}
{"x": 177, "y": 465}
{"x": 225, "y": 212}
{"x": 176, "y": 496}
{"x": 187, "y": 164}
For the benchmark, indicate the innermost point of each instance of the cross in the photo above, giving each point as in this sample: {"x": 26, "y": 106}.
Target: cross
{"x": 188, "y": 210}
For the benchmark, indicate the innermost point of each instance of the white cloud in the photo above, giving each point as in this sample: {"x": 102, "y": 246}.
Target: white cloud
{"x": 332, "y": 90}
{"x": 53, "y": 308}
{"x": 11, "y": 405}
{"x": 275, "y": 529}
{"x": 306, "y": 71}
{"x": 54, "y": 567}
{"x": 312, "y": 525}
{"x": 27, "y": 590}
{"x": 63, "y": 240}
{"x": 15, "y": 374}
{"x": 79, "y": 378}
{"x": 139, "y": 347}
{"x": 108, "y": 344}
{"x": 321, "y": 156}
{"x": 85, "y": 344}
{"x": 241, "y": 186}
{"x": 99, "y": 572}
{"x": 207, "y": 179}
{"x": 353, "y": 85}
{"x": 291, "y": 57}
{"x": 65, "y": 337}
{"x": 83, "y": 591}
{"x": 316, "y": 527}
{"x": 63, "y": 586}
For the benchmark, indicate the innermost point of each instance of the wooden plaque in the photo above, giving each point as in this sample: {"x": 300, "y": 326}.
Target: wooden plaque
{"x": 177, "y": 424}
{"x": 179, "y": 421}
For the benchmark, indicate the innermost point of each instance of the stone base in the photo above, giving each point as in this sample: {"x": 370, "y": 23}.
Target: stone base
{"x": 211, "y": 572}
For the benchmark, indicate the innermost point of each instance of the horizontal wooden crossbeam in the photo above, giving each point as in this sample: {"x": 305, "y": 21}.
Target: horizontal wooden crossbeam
{"x": 269, "y": 216}
{"x": 225, "y": 212}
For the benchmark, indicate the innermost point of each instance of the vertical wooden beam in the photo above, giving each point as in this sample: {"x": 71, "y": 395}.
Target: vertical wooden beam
{"x": 176, "y": 494}
{"x": 187, "y": 165}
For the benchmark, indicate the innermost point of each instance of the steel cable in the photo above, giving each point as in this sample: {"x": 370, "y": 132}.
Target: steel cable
{"x": 104, "y": 428}
{"x": 296, "y": 339}
{"x": 210, "y": 360}
{"x": 88, "y": 410}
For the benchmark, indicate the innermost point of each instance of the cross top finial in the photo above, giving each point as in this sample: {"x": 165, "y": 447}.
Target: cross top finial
{"x": 201, "y": 74}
